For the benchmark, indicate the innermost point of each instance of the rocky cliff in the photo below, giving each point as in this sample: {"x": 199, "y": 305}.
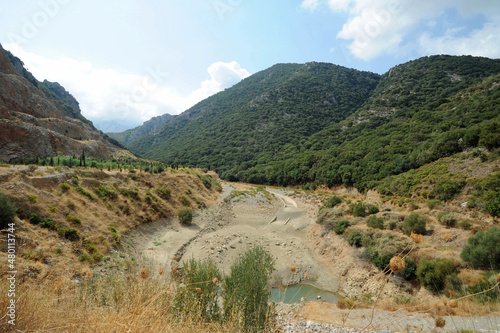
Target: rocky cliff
{"x": 39, "y": 119}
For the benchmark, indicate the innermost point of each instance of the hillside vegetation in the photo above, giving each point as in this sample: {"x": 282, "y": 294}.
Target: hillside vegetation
{"x": 323, "y": 124}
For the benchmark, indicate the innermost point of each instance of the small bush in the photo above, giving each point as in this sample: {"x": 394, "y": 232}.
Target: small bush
{"x": 47, "y": 223}
{"x": 375, "y": 222}
{"x": 359, "y": 209}
{"x": 201, "y": 290}
{"x": 415, "y": 223}
{"x": 69, "y": 233}
{"x": 245, "y": 290}
{"x": 433, "y": 203}
{"x": 184, "y": 200}
{"x": 58, "y": 250}
{"x": 73, "y": 219}
{"x": 35, "y": 219}
{"x": 354, "y": 238}
{"x": 447, "y": 219}
{"x": 410, "y": 271}
{"x": 85, "y": 257}
{"x": 81, "y": 190}
{"x": 340, "y": 227}
{"x": 185, "y": 215}
{"x": 33, "y": 197}
{"x": 53, "y": 209}
{"x": 345, "y": 303}
{"x": 333, "y": 201}
{"x": 65, "y": 187}
{"x": 71, "y": 205}
{"x": 7, "y": 211}
{"x": 164, "y": 192}
{"x": 482, "y": 250}
{"x": 373, "y": 210}
{"x": 432, "y": 274}
{"x": 75, "y": 180}
{"x": 465, "y": 225}
{"x": 106, "y": 192}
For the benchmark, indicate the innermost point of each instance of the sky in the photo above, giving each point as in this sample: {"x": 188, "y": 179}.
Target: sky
{"x": 127, "y": 61}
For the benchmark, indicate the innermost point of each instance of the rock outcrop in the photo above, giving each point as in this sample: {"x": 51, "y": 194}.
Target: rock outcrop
{"x": 39, "y": 119}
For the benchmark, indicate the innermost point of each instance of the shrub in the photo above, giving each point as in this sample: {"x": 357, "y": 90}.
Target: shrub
{"x": 333, "y": 201}
{"x": 65, "y": 187}
{"x": 373, "y": 210}
{"x": 415, "y": 223}
{"x": 58, "y": 250}
{"x": 354, "y": 238}
{"x": 35, "y": 219}
{"x": 69, "y": 233}
{"x": 114, "y": 234}
{"x": 482, "y": 250}
{"x": 75, "y": 180}
{"x": 7, "y": 211}
{"x": 359, "y": 209}
{"x": 447, "y": 189}
{"x": 432, "y": 274}
{"x": 340, "y": 227}
{"x": 345, "y": 303}
{"x": 184, "y": 200}
{"x": 447, "y": 219}
{"x": 164, "y": 192}
{"x": 202, "y": 290}
{"x": 466, "y": 225}
{"x": 81, "y": 190}
{"x": 71, "y": 205}
{"x": 73, "y": 219}
{"x": 375, "y": 222}
{"x": 85, "y": 257}
{"x": 105, "y": 192}
{"x": 185, "y": 215}
{"x": 492, "y": 206}
{"x": 33, "y": 197}
{"x": 433, "y": 203}
{"x": 409, "y": 273}
{"x": 245, "y": 290}
{"x": 47, "y": 223}
{"x": 53, "y": 209}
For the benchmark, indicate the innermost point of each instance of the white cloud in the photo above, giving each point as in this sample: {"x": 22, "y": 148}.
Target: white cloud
{"x": 310, "y": 4}
{"x": 109, "y": 94}
{"x": 376, "y": 27}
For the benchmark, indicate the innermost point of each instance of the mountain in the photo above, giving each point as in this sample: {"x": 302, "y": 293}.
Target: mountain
{"x": 134, "y": 134}
{"x": 324, "y": 124}
{"x": 265, "y": 113}
{"x": 39, "y": 119}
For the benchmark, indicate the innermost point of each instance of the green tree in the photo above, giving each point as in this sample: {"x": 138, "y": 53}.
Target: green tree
{"x": 245, "y": 290}
{"x": 7, "y": 211}
{"x": 483, "y": 249}
{"x": 415, "y": 223}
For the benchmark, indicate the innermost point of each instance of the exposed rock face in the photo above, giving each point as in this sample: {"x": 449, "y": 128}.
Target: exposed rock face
{"x": 34, "y": 123}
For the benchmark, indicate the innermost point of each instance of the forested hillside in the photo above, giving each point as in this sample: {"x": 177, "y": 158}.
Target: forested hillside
{"x": 324, "y": 124}
{"x": 262, "y": 114}
{"x": 136, "y": 133}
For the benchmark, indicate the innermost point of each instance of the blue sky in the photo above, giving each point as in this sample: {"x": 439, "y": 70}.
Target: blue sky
{"x": 127, "y": 61}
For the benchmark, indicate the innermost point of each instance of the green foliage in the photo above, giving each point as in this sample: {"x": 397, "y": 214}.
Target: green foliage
{"x": 432, "y": 274}
{"x": 372, "y": 209}
{"x": 365, "y": 129}
{"x": 164, "y": 192}
{"x": 33, "y": 197}
{"x": 85, "y": 257}
{"x": 381, "y": 247}
{"x": 340, "y": 226}
{"x": 74, "y": 219}
{"x": 415, "y": 223}
{"x": 410, "y": 271}
{"x": 105, "y": 192}
{"x": 185, "y": 214}
{"x": 358, "y": 209}
{"x": 81, "y": 190}
{"x": 35, "y": 219}
{"x": 69, "y": 233}
{"x": 482, "y": 249}
{"x": 466, "y": 225}
{"x": 433, "y": 203}
{"x": 485, "y": 288}
{"x": 245, "y": 290}
{"x": 200, "y": 290}
{"x": 375, "y": 222}
{"x": 446, "y": 190}
{"x": 114, "y": 234}
{"x": 7, "y": 211}
{"x": 354, "y": 238}
{"x": 447, "y": 219}
{"x": 65, "y": 187}
{"x": 184, "y": 200}
{"x": 333, "y": 201}
{"x": 48, "y": 223}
